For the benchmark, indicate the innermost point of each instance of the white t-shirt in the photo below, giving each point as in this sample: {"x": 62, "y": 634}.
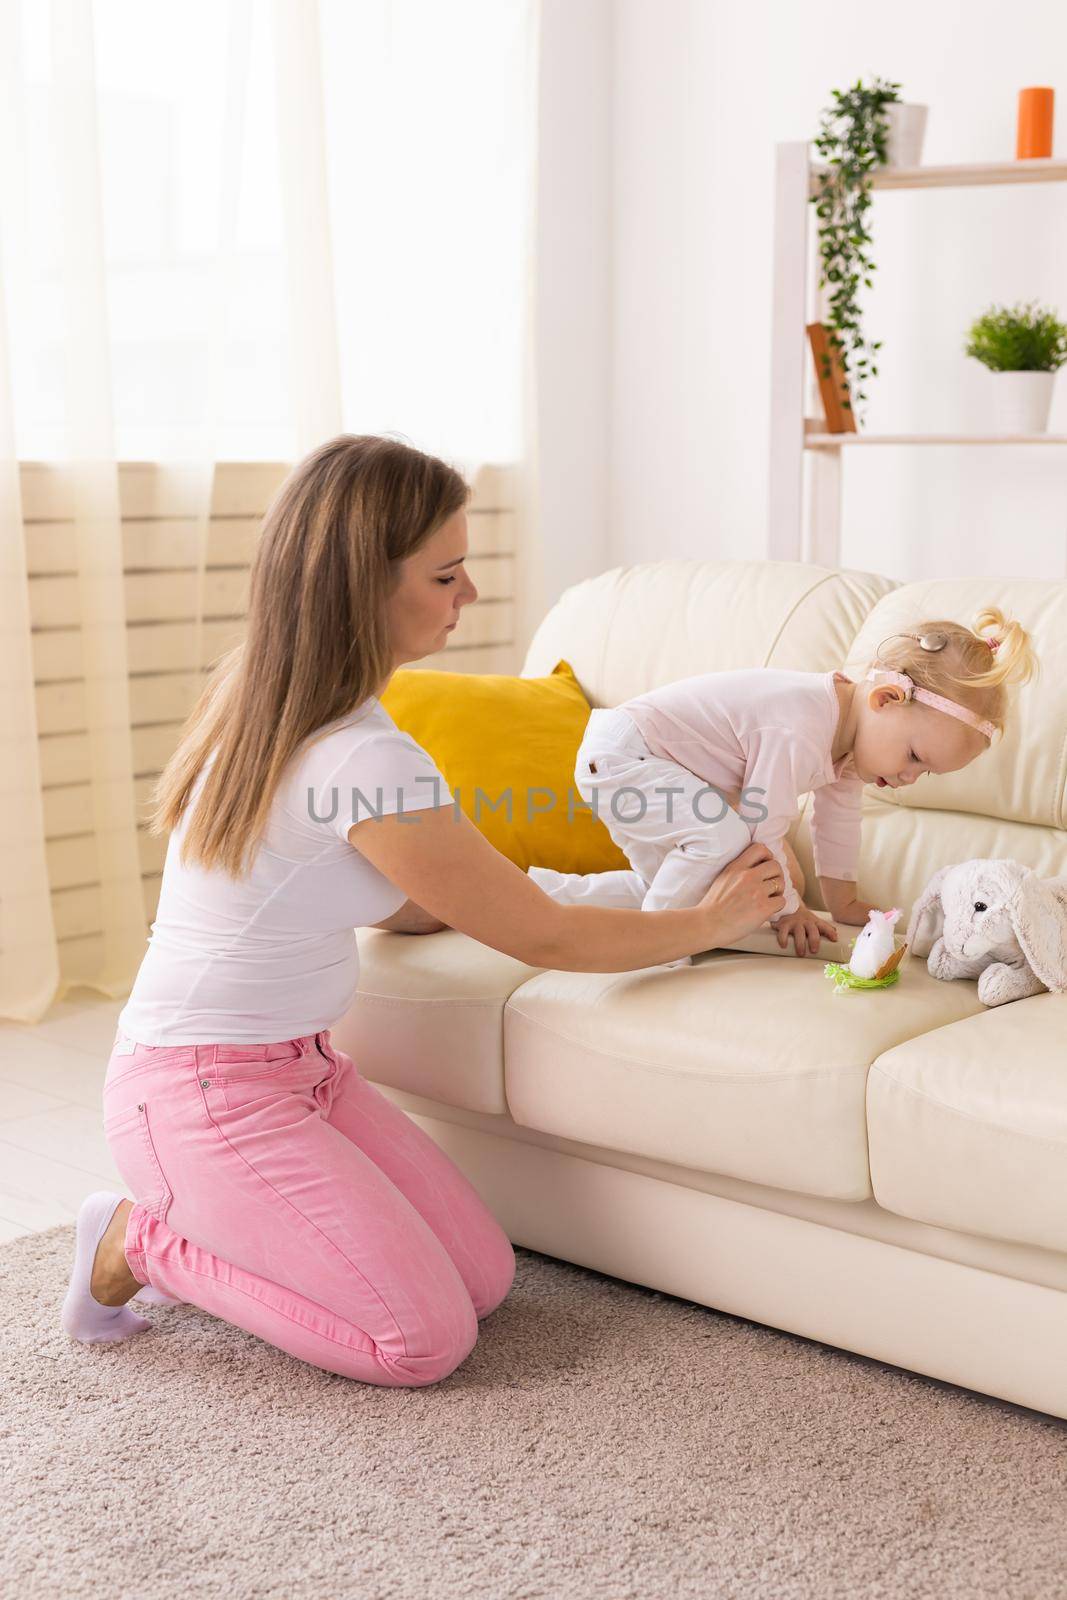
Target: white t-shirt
{"x": 273, "y": 955}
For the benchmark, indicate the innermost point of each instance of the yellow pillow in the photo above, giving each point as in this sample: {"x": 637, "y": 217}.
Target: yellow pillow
{"x": 510, "y": 738}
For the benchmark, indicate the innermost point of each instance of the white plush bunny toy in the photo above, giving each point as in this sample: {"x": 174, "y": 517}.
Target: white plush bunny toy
{"x": 996, "y": 921}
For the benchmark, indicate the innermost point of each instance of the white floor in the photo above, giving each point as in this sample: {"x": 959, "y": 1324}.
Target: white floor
{"x": 52, "y": 1149}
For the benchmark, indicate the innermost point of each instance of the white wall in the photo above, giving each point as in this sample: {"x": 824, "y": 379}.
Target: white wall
{"x": 572, "y": 298}
{"x": 701, "y": 93}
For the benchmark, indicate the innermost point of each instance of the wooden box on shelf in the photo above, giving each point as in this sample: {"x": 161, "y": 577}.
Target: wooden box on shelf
{"x": 833, "y": 381}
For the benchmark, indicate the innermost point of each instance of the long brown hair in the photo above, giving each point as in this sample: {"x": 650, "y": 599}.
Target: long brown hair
{"x": 966, "y": 670}
{"x": 316, "y": 645}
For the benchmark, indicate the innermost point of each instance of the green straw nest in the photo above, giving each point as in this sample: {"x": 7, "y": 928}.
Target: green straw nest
{"x": 844, "y": 979}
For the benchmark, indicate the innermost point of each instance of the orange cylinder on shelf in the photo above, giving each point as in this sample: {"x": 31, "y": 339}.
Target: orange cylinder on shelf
{"x": 1033, "y": 137}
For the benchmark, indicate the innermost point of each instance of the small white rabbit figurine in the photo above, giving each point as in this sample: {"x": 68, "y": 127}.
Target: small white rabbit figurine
{"x": 874, "y": 954}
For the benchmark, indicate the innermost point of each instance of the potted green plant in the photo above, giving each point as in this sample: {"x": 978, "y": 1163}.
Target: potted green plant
{"x": 1024, "y": 346}
{"x": 906, "y": 122}
{"x": 853, "y": 139}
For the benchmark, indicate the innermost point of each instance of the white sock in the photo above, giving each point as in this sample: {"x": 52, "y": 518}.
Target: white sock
{"x": 82, "y": 1317}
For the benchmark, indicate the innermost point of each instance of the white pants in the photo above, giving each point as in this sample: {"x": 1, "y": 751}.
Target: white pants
{"x": 675, "y": 830}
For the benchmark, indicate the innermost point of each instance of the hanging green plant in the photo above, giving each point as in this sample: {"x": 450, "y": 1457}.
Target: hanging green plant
{"x": 851, "y": 141}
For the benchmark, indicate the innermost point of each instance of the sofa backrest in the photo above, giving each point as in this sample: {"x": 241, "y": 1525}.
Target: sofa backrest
{"x": 634, "y": 628}
{"x": 631, "y": 629}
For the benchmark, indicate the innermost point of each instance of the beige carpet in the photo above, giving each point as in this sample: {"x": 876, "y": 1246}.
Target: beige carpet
{"x": 600, "y": 1442}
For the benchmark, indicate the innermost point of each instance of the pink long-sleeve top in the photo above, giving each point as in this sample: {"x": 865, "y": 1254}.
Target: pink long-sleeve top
{"x": 769, "y": 733}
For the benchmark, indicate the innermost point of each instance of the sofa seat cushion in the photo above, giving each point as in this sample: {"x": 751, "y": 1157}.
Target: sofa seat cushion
{"x": 428, "y": 1017}
{"x": 968, "y": 1124}
{"x": 746, "y": 1065}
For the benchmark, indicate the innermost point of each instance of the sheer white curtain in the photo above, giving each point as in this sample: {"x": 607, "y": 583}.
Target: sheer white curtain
{"x": 228, "y": 230}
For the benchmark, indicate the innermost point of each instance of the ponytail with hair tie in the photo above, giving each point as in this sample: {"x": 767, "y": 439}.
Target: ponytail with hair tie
{"x": 1010, "y": 648}
{"x": 938, "y": 661}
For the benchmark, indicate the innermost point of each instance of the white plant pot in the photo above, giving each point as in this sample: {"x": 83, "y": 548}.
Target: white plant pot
{"x": 907, "y": 127}
{"x": 1023, "y": 400}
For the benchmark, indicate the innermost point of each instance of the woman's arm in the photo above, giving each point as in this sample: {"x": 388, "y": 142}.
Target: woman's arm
{"x": 447, "y": 867}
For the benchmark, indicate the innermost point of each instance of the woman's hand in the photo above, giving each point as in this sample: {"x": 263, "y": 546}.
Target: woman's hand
{"x": 744, "y": 896}
{"x": 805, "y": 928}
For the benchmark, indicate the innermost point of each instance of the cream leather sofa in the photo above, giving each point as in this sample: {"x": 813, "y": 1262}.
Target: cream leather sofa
{"x": 885, "y": 1172}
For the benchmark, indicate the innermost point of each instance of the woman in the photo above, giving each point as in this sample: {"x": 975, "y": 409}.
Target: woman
{"x": 275, "y": 1187}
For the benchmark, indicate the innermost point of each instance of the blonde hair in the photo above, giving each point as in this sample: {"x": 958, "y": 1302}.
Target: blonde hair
{"x": 316, "y": 644}
{"x": 966, "y": 670}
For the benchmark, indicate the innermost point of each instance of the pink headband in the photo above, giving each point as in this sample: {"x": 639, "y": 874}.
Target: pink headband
{"x": 883, "y": 675}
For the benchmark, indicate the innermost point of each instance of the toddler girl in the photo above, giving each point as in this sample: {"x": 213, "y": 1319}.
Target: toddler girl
{"x": 687, "y": 776}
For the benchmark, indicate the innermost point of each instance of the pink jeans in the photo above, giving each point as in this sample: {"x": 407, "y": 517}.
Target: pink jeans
{"x": 280, "y": 1191}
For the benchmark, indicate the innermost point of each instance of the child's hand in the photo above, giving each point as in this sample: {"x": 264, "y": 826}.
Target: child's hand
{"x": 806, "y": 929}
{"x": 856, "y": 912}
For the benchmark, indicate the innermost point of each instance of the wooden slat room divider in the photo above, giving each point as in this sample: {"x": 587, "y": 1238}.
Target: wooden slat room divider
{"x": 159, "y": 540}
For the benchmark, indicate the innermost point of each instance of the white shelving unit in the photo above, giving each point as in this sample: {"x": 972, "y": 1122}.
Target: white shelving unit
{"x": 817, "y": 537}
